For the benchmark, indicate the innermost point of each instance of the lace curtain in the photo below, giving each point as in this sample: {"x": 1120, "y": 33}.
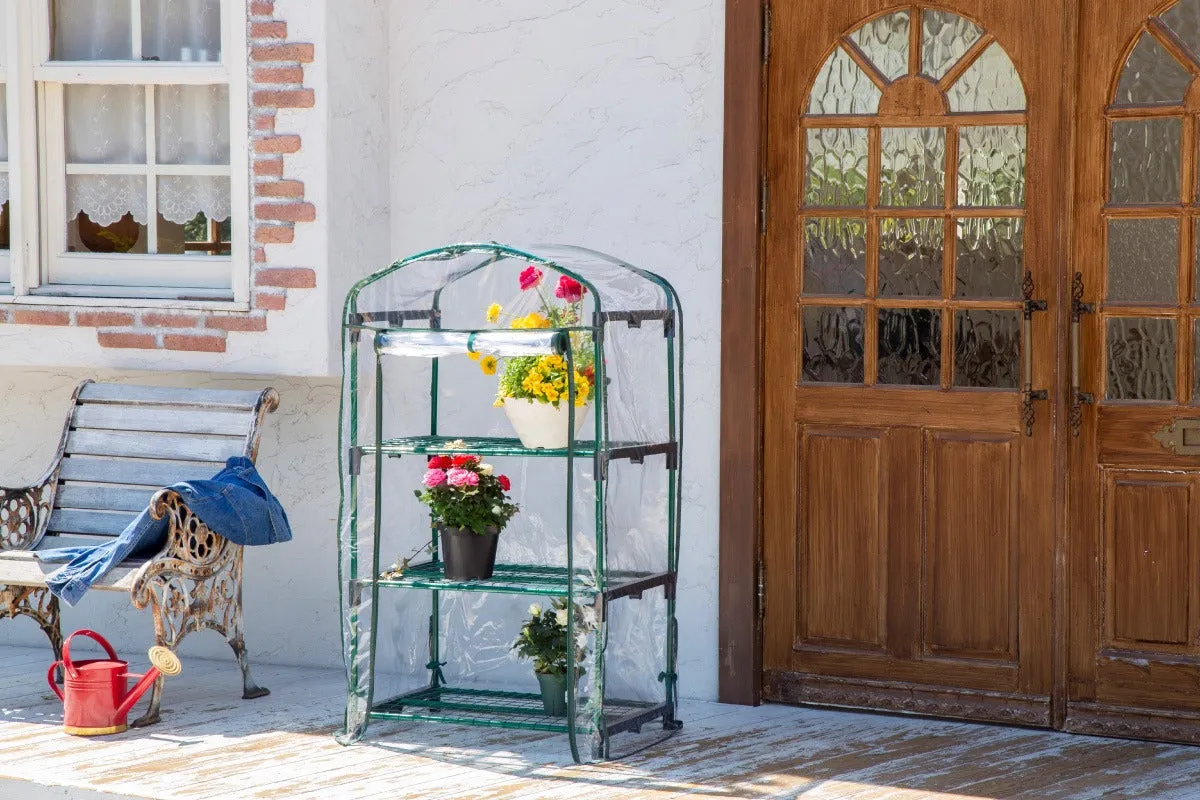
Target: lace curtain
{"x": 106, "y": 124}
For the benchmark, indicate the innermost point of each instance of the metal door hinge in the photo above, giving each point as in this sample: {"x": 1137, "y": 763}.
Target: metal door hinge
{"x": 766, "y": 42}
{"x": 763, "y": 202}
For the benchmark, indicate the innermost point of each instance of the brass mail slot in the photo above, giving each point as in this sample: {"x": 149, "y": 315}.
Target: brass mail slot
{"x": 1182, "y": 437}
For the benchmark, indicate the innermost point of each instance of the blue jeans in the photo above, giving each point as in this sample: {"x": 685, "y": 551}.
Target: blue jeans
{"x": 235, "y": 503}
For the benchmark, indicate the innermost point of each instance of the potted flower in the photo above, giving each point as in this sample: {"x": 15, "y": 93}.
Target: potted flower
{"x": 544, "y": 640}
{"x": 533, "y": 390}
{"x": 469, "y": 506}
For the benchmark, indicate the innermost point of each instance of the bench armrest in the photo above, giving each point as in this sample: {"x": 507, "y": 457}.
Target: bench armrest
{"x": 25, "y": 512}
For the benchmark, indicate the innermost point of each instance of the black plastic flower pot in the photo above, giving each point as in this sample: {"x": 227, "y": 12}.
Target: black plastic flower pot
{"x": 469, "y": 556}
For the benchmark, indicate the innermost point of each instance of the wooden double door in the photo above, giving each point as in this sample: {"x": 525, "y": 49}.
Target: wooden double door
{"x": 982, "y": 369}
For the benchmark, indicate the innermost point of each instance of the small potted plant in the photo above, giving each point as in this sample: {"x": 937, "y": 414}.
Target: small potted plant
{"x": 469, "y": 506}
{"x": 544, "y": 640}
{"x": 533, "y": 390}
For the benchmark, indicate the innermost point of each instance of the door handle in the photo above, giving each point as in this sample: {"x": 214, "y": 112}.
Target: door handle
{"x": 1078, "y": 309}
{"x": 1028, "y": 393}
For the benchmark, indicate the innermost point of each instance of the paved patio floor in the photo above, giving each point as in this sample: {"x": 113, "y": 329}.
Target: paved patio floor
{"x": 211, "y": 744}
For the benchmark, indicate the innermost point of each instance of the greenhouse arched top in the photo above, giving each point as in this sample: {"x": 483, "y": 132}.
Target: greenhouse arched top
{"x": 562, "y": 368}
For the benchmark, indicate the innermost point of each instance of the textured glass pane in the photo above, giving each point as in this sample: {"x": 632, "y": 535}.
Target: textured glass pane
{"x": 1141, "y": 359}
{"x": 91, "y": 30}
{"x": 910, "y": 257}
{"x": 843, "y": 88}
{"x": 991, "y": 166}
{"x": 106, "y": 124}
{"x": 835, "y": 256}
{"x": 987, "y": 346}
{"x": 833, "y": 345}
{"x": 945, "y": 37}
{"x": 1145, "y": 162}
{"x": 1143, "y": 260}
{"x": 912, "y": 167}
{"x": 989, "y": 84}
{"x": 1195, "y": 362}
{"x": 910, "y": 346}
{"x": 989, "y": 259}
{"x": 1152, "y": 76}
{"x": 885, "y": 40}
{"x": 1196, "y": 265}
{"x": 1184, "y": 19}
{"x": 835, "y": 167}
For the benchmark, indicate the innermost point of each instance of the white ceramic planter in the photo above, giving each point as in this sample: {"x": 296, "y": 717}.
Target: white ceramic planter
{"x": 541, "y": 425}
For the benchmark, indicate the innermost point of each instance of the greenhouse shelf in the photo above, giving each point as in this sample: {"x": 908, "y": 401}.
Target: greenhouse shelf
{"x": 494, "y": 446}
{"x": 530, "y": 579}
{"x": 496, "y": 709}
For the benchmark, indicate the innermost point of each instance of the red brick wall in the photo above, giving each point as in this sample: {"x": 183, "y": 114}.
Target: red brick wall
{"x": 277, "y": 205}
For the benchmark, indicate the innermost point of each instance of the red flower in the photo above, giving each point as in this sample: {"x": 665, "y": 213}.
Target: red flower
{"x": 462, "y": 461}
{"x": 441, "y": 462}
{"x": 530, "y": 277}
{"x": 569, "y": 289}
{"x": 590, "y": 374}
{"x": 504, "y": 482}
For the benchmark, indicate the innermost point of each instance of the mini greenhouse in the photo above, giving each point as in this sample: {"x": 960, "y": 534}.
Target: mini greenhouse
{"x": 440, "y": 352}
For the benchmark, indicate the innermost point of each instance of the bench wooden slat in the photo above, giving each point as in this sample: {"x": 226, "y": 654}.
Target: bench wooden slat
{"x": 69, "y": 520}
{"x": 144, "y": 445}
{"x": 168, "y": 395}
{"x": 103, "y": 498}
{"x": 125, "y": 417}
{"x": 20, "y": 568}
{"x": 137, "y": 472}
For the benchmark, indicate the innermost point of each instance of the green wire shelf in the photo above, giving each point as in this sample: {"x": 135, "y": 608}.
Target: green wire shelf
{"x": 497, "y": 446}
{"x": 531, "y": 579}
{"x": 496, "y": 709}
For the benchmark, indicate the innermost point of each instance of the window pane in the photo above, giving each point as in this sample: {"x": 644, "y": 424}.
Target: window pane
{"x": 3, "y": 121}
{"x": 1184, "y": 19}
{"x": 910, "y": 346}
{"x": 181, "y": 31}
{"x": 843, "y": 88}
{"x": 991, "y": 166}
{"x": 989, "y": 84}
{"x": 1143, "y": 260}
{"x": 1141, "y": 359}
{"x": 91, "y": 30}
{"x": 833, "y": 345}
{"x": 182, "y": 197}
{"x": 913, "y": 167}
{"x": 107, "y": 199}
{"x": 1152, "y": 76}
{"x": 987, "y": 345}
{"x": 835, "y": 256}
{"x": 990, "y": 257}
{"x": 885, "y": 41}
{"x": 910, "y": 257}
{"x": 198, "y": 236}
{"x": 945, "y": 38}
{"x": 105, "y": 124}
{"x": 1145, "y": 161}
{"x": 835, "y": 167}
{"x": 126, "y": 235}
{"x": 193, "y": 124}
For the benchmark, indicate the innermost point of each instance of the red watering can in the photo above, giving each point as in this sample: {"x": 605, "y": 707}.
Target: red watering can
{"x": 97, "y": 697}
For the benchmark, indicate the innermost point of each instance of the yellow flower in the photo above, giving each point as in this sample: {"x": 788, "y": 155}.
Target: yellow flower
{"x": 499, "y": 403}
{"x": 493, "y": 313}
{"x": 471, "y": 354}
{"x": 519, "y": 322}
{"x": 488, "y": 365}
{"x": 551, "y": 394}
{"x": 536, "y": 320}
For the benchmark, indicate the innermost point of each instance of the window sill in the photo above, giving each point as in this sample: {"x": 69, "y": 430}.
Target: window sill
{"x": 138, "y": 298}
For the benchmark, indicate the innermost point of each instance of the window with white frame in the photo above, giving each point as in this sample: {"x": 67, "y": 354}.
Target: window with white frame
{"x": 137, "y": 166}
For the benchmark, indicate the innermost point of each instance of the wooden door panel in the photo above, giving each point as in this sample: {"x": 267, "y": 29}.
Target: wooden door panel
{"x": 842, "y": 563}
{"x": 972, "y": 595}
{"x": 1149, "y": 573}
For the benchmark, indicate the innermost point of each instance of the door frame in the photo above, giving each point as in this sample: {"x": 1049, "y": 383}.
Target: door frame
{"x": 740, "y": 645}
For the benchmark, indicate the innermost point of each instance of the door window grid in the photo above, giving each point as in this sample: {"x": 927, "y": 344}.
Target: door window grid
{"x": 878, "y": 305}
{"x": 1148, "y": 303}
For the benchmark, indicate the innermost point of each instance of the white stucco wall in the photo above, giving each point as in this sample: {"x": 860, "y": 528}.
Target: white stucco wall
{"x": 590, "y": 122}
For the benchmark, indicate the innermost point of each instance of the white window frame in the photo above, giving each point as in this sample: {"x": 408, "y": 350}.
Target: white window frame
{"x": 40, "y": 266}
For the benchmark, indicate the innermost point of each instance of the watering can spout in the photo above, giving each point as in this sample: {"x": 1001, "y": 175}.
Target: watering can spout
{"x": 163, "y": 662}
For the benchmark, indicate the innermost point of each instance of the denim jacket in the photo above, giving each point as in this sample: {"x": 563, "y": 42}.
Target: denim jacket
{"x": 234, "y": 503}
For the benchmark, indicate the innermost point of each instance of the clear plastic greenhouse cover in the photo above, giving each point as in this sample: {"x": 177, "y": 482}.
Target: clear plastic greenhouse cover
{"x": 426, "y": 343}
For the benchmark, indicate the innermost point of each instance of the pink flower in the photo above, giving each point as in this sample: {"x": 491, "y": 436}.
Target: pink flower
{"x": 569, "y": 289}
{"x": 530, "y": 277}
{"x": 461, "y": 477}
{"x": 434, "y": 477}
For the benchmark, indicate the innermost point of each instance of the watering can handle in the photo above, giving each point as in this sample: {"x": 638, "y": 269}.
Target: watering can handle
{"x": 50, "y": 679}
{"x": 66, "y": 650}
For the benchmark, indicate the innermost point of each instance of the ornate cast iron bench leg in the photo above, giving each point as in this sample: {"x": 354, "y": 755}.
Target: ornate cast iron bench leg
{"x": 194, "y": 583}
{"x": 38, "y": 604}
{"x": 24, "y": 514}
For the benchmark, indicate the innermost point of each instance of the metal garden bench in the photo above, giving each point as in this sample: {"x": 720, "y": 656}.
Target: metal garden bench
{"x": 120, "y": 445}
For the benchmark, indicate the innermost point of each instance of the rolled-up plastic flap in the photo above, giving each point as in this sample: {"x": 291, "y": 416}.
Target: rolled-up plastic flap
{"x": 433, "y": 344}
